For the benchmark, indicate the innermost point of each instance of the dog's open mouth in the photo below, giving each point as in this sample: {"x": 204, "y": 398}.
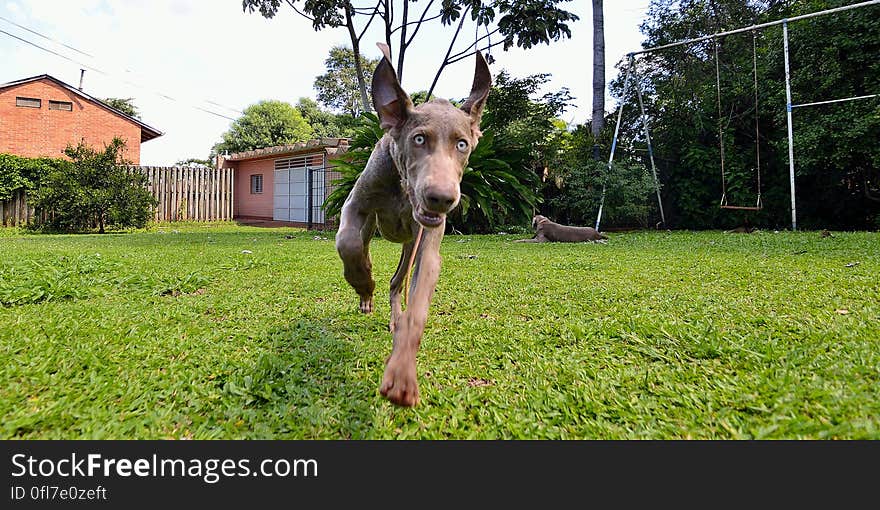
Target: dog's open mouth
{"x": 428, "y": 218}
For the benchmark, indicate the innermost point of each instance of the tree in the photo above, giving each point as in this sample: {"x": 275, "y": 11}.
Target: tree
{"x": 598, "y": 122}
{"x": 524, "y": 122}
{"x": 265, "y": 124}
{"x": 125, "y": 106}
{"x": 96, "y": 190}
{"x": 524, "y": 23}
{"x": 324, "y": 123}
{"x": 578, "y": 180}
{"x": 338, "y": 87}
{"x": 194, "y": 162}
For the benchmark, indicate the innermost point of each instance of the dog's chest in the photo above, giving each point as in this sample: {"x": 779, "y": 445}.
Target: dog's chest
{"x": 395, "y": 221}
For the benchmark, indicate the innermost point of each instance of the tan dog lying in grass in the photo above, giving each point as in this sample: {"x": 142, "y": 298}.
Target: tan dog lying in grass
{"x": 548, "y": 231}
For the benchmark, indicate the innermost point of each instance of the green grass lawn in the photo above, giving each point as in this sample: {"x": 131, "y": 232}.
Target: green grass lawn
{"x": 221, "y": 331}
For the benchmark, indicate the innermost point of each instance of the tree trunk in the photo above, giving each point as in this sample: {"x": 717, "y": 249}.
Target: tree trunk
{"x": 359, "y": 68}
{"x": 598, "y": 122}
{"x": 402, "y": 50}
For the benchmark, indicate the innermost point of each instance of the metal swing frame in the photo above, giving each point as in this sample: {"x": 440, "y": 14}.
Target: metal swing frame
{"x": 789, "y": 106}
{"x": 630, "y": 73}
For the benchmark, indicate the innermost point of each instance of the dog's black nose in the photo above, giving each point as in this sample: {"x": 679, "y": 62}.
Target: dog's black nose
{"x": 439, "y": 201}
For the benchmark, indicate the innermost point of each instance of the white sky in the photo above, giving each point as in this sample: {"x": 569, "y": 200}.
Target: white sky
{"x": 210, "y": 50}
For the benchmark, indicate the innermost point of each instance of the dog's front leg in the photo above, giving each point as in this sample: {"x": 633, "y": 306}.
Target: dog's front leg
{"x": 353, "y": 244}
{"x": 399, "y": 383}
{"x": 536, "y": 239}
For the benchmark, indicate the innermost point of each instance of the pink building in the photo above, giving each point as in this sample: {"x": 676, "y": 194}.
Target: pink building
{"x": 287, "y": 183}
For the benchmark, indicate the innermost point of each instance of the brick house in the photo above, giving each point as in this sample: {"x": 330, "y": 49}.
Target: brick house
{"x": 285, "y": 184}
{"x": 41, "y": 115}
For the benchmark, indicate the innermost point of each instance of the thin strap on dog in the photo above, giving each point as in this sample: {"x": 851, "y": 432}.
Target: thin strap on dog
{"x": 412, "y": 259}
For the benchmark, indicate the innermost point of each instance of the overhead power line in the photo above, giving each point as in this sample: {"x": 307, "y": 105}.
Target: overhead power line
{"x": 45, "y": 37}
{"x": 35, "y": 45}
{"x": 92, "y": 68}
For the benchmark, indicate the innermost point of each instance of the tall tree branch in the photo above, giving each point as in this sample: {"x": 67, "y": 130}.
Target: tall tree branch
{"x": 448, "y": 51}
{"x": 477, "y": 41}
{"x": 304, "y": 15}
{"x": 373, "y": 14}
{"x": 402, "y": 50}
{"x": 483, "y": 49}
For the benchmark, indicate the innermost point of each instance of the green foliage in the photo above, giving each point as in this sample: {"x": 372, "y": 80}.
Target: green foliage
{"x": 493, "y": 192}
{"x": 338, "y": 87}
{"x": 194, "y": 162}
{"x": 574, "y": 185}
{"x": 833, "y": 56}
{"x": 527, "y": 133}
{"x": 525, "y": 23}
{"x": 323, "y": 123}
{"x": 367, "y": 133}
{"x": 524, "y": 121}
{"x": 96, "y": 190}
{"x": 265, "y": 124}
{"x": 628, "y": 193}
{"x": 18, "y": 173}
{"x": 126, "y": 106}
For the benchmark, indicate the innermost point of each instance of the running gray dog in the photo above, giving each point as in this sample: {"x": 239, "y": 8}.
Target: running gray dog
{"x": 548, "y": 231}
{"x": 411, "y": 181}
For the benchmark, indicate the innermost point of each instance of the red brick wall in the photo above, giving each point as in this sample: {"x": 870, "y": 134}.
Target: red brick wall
{"x": 33, "y": 132}
{"x": 254, "y": 205}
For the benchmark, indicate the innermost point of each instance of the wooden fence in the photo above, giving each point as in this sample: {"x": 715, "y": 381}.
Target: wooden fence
{"x": 190, "y": 193}
{"x": 183, "y": 193}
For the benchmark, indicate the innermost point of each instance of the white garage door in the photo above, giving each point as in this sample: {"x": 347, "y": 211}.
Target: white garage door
{"x": 291, "y": 193}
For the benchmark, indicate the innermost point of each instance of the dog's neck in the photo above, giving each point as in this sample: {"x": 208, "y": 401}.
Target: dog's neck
{"x": 399, "y": 161}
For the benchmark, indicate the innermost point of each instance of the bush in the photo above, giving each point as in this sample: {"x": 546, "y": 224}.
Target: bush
{"x": 18, "y": 173}
{"x": 629, "y": 188}
{"x": 95, "y": 190}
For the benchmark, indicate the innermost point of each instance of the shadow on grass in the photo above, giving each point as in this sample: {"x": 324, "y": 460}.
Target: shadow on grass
{"x": 304, "y": 385}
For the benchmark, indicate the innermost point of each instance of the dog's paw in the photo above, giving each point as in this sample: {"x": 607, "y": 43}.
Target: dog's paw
{"x": 399, "y": 384}
{"x": 366, "y": 305}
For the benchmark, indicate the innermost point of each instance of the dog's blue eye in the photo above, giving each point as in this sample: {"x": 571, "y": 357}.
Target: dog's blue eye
{"x": 419, "y": 139}
{"x": 462, "y": 145}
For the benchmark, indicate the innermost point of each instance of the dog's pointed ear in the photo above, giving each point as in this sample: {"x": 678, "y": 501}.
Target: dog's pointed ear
{"x": 392, "y": 104}
{"x": 474, "y": 104}
{"x": 385, "y": 49}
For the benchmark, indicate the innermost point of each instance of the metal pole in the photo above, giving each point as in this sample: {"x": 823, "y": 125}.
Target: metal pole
{"x": 790, "y": 129}
{"x": 629, "y": 73}
{"x": 762, "y": 25}
{"x": 650, "y": 151}
{"x": 311, "y": 200}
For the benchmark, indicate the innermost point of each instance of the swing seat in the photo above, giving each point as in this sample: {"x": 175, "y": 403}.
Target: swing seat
{"x": 757, "y": 207}
{"x": 741, "y": 207}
